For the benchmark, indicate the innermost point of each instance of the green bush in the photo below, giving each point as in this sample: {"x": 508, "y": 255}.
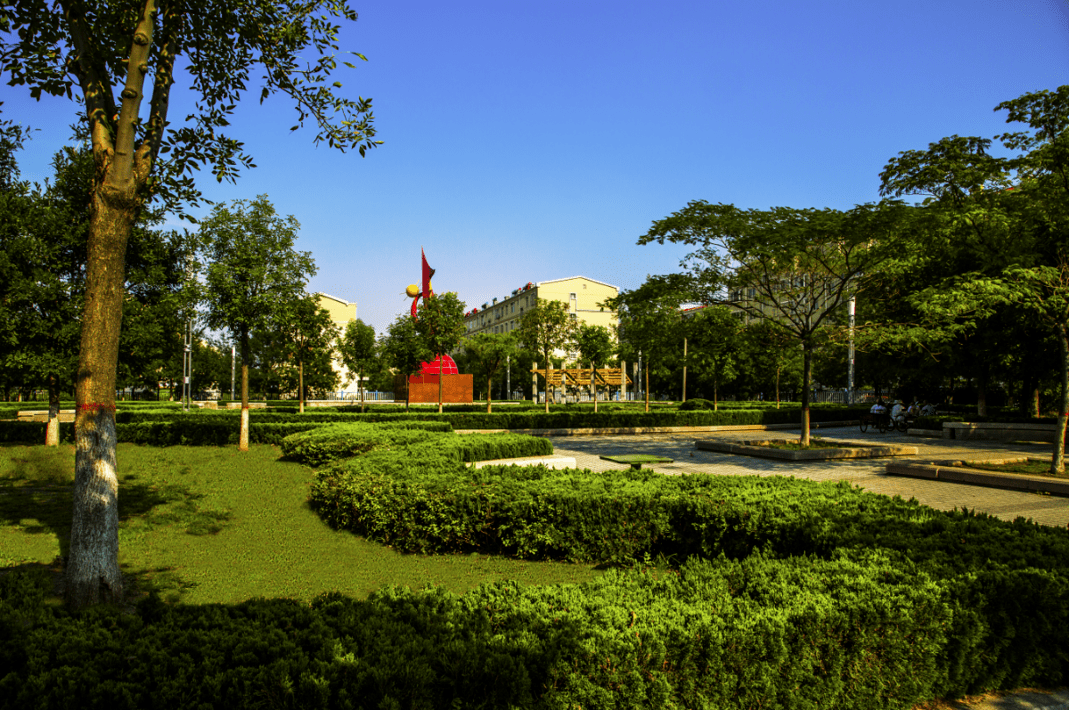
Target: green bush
{"x": 862, "y": 630}
{"x": 330, "y": 442}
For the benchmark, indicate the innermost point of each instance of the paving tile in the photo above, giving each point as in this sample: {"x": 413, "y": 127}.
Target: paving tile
{"x": 868, "y": 474}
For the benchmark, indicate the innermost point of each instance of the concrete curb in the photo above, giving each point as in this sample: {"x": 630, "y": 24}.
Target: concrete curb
{"x": 851, "y": 450}
{"x": 947, "y": 471}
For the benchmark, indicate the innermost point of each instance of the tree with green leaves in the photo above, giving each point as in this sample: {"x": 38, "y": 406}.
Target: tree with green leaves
{"x": 794, "y": 266}
{"x": 106, "y": 51}
{"x": 770, "y": 351}
{"x": 487, "y": 354}
{"x": 545, "y": 327}
{"x": 43, "y": 258}
{"x": 596, "y": 347}
{"x": 309, "y": 334}
{"x": 1010, "y": 218}
{"x": 648, "y": 324}
{"x": 405, "y": 350}
{"x": 253, "y": 275}
{"x": 440, "y": 322}
{"x": 358, "y": 351}
{"x": 715, "y": 338}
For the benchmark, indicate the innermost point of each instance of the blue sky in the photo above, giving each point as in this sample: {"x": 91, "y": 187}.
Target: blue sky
{"x": 533, "y": 141}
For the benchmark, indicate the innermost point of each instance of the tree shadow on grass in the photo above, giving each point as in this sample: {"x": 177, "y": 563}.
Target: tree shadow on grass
{"x": 137, "y": 584}
{"x": 48, "y": 509}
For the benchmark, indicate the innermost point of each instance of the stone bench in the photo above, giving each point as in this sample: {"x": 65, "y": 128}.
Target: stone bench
{"x": 997, "y": 431}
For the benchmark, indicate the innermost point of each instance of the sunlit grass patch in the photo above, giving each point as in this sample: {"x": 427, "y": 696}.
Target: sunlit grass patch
{"x": 211, "y": 524}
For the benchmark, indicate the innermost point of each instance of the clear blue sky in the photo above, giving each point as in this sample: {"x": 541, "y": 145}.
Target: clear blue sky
{"x": 533, "y": 141}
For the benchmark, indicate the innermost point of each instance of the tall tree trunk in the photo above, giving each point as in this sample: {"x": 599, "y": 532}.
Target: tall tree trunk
{"x": 92, "y": 574}
{"x": 777, "y": 386}
{"x": 594, "y": 382}
{"x": 300, "y": 384}
{"x": 1057, "y": 462}
{"x": 981, "y": 391}
{"x": 547, "y": 381}
{"x": 52, "y": 430}
{"x": 716, "y": 386}
{"x": 243, "y": 434}
{"x": 360, "y": 386}
{"x": 807, "y": 375}
{"x": 647, "y": 364}
{"x": 489, "y": 378}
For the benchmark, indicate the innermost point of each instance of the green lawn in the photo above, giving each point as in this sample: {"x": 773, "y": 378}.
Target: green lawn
{"x": 203, "y": 524}
{"x": 1031, "y": 467}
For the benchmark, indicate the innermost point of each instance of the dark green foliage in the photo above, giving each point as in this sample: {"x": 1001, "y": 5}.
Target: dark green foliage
{"x": 861, "y": 630}
{"x": 330, "y": 442}
{"x": 692, "y": 404}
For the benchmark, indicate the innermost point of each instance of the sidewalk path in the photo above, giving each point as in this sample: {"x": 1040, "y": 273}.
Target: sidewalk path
{"x": 869, "y": 474}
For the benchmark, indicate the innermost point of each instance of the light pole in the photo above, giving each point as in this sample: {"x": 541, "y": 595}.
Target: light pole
{"x": 187, "y": 363}
{"x": 231, "y": 372}
{"x": 508, "y": 377}
{"x": 851, "y": 306}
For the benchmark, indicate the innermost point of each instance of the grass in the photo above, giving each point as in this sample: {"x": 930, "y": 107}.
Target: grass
{"x": 204, "y": 524}
{"x": 791, "y": 445}
{"x": 1030, "y": 467}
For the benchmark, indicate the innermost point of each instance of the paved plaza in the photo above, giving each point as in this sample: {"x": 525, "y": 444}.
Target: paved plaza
{"x": 869, "y": 474}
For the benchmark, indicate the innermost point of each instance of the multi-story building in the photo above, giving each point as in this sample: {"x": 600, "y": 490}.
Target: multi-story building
{"x": 583, "y": 296}
{"x": 341, "y": 312}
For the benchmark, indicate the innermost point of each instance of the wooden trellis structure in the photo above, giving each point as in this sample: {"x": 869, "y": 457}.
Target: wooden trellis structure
{"x": 563, "y": 378}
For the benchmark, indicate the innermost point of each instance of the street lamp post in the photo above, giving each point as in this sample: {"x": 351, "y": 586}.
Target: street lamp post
{"x": 850, "y": 309}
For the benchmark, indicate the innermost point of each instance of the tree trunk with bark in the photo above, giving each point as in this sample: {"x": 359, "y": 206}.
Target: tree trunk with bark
{"x": 981, "y": 392}
{"x": 594, "y": 385}
{"x": 360, "y": 386}
{"x": 777, "y": 386}
{"x": 243, "y": 435}
{"x": 647, "y": 364}
{"x": 1057, "y": 462}
{"x": 547, "y": 380}
{"x": 52, "y": 429}
{"x": 92, "y": 574}
{"x": 807, "y": 376}
{"x": 300, "y": 385}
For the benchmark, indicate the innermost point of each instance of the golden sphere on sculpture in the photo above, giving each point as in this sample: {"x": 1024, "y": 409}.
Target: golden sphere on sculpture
{"x": 412, "y": 290}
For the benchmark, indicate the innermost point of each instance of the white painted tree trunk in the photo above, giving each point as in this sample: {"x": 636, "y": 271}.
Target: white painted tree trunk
{"x": 92, "y": 571}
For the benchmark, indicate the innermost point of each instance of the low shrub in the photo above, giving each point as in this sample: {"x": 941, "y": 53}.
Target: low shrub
{"x": 330, "y": 442}
{"x": 861, "y": 630}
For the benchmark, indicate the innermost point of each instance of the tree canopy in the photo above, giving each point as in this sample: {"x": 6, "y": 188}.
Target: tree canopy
{"x": 545, "y": 327}
{"x": 794, "y": 266}
{"x": 253, "y": 274}
{"x": 107, "y": 51}
{"x": 358, "y": 351}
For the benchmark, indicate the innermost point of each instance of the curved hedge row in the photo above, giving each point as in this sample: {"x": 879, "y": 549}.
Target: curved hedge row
{"x": 862, "y": 630}
{"x": 419, "y": 500}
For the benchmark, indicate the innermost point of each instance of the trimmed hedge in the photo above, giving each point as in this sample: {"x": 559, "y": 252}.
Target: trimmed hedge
{"x": 419, "y": 501}
{"x": 330, "y": 442}
{"x": 862, "y": 630}
{"x": 201, "y": 432}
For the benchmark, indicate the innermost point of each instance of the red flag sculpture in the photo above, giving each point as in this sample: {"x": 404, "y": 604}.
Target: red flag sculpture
{"x": 443, "y": 364}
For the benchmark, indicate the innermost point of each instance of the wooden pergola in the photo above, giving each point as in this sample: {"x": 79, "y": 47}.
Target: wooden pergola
{"x": 580, "y": 377}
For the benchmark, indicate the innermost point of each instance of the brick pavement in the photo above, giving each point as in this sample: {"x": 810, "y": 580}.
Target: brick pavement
{"x": 869, "y": 474}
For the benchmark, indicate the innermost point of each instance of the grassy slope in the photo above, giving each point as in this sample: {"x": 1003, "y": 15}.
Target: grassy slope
{"x": 208, "y": 524}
